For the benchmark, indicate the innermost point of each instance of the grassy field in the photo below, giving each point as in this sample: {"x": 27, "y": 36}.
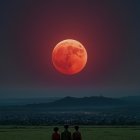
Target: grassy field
{"x": 88, "y": 133}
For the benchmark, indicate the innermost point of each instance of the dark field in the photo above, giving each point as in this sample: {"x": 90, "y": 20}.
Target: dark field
{"x": 88, "y": 133}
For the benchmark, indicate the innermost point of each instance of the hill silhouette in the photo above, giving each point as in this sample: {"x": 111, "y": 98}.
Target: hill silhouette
{"x": 81, "y": 102}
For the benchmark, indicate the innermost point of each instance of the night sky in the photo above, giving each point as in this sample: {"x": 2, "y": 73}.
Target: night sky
{"x": 109, "y": 30}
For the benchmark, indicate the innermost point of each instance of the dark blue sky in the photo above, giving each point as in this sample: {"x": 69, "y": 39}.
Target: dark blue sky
{"x": 109, "y": 30}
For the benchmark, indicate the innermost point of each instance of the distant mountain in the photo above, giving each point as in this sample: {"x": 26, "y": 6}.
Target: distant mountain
{"x": 131, "y": 99}
{"x": 93, "y": 101}
{"x": 75, "y": 104}
{"x": 95, "y": 109}
{"x": 25, "y": 101}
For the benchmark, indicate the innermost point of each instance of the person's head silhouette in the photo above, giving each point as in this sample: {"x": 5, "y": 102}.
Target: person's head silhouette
{"x": 66, "y": 127}
{"x": 76, "y": 127}
{"x": 56, "y": 129}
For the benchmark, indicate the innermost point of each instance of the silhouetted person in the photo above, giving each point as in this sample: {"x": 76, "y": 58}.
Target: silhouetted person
{"x": 76, "y": 135}
{"x": 66, "y": 135}
{"x": 56, "y": 135}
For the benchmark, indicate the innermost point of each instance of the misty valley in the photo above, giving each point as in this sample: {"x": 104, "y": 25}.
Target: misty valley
{"x": 95, "y": 110}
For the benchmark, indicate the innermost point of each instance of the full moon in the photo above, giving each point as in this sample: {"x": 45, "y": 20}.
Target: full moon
{"x": 69, "y": 57}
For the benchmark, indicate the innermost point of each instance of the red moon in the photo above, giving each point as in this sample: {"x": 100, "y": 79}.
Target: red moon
{"x": 69, "y": 56}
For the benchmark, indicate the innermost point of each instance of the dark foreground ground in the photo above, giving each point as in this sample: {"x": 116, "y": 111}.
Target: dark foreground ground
{"x": 88, "y": 132}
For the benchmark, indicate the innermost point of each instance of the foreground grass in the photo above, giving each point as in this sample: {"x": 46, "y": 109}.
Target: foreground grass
{"x": 88, "y": 133}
